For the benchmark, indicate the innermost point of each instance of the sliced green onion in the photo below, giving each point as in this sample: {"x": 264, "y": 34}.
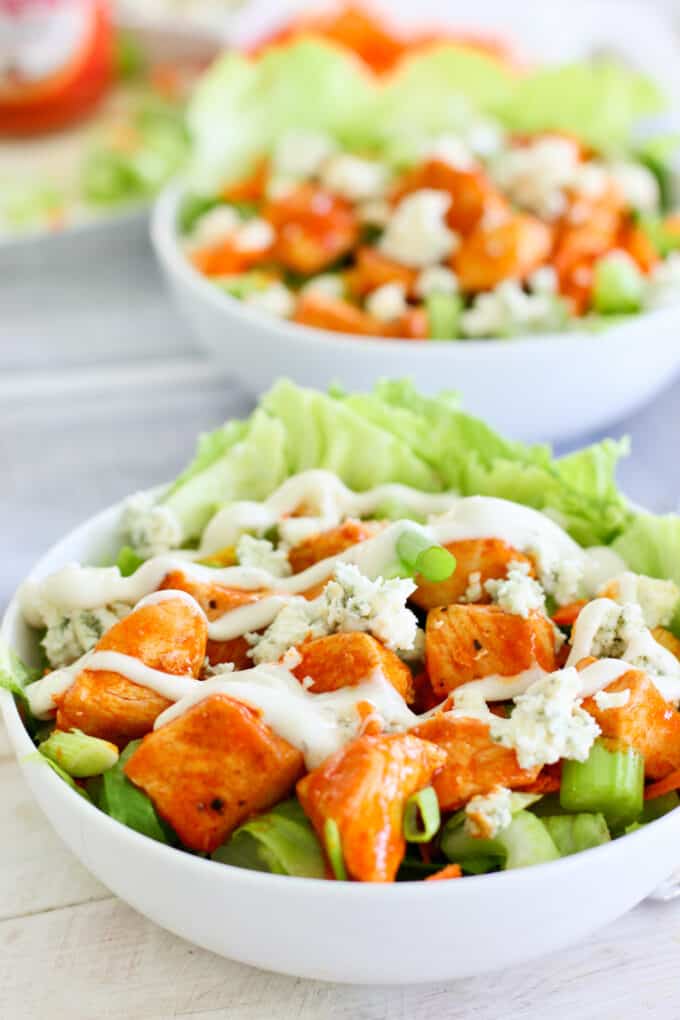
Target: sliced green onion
{"x": 333, "y": 844}
{"x": 420, "y": 556}
{"x": 421, "y": 816}
{"x": 610, "y": 781}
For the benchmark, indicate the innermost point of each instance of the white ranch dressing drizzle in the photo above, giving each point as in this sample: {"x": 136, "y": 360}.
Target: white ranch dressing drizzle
{"x": 75, "y": 587}
{"x": 317, "y": 724}
{"x": 328, "y": 500}
{"x": 171, "y": 595}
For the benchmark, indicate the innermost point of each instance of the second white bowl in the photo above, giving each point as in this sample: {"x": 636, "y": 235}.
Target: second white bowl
{"x": 537, "y": 387}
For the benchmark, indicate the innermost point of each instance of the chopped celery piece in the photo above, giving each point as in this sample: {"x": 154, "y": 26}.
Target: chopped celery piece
{"x": 78, "y": 754}
{"x": 659, "y": 806}
{"x": 421, "y": 816}
{"x": 418, "y": 554}
{"x": 281, "y": 842}
{"x": 573, "y": 833}
{"x": 525, "y": 841}
{"x": 242, "y": 284}
{"x": 610, "y": 780}
{"x": 333, "y": 844}
{"x": 619, "y": 286}
{"x": 443, "y": 315}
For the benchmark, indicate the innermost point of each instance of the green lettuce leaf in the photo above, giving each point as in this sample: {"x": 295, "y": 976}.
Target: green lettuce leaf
{"x": 438, "y": 91}
{"x": 651, "y": 545}
{"x": 15, "y": 676}
{"x": 281, "y": 842}
{"x": 394, "y": 434}
{"x": 114, "y": 794}
{"x": 252, "y": 465}
{"x": 326, "y": 432}
{"x": 241, "y": 106}
{"x": 599, "y": 102}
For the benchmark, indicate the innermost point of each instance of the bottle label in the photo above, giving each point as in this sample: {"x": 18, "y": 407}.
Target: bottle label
{"x": 38, "y": 38}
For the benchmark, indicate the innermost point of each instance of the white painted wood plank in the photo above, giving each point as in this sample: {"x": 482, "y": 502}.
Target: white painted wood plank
{"x": 5, "y": 749}
{"x": 120, "y": 965}
{"x": 37, "y": 872}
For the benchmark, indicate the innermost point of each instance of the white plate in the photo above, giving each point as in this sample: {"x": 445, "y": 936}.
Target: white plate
{"x": 402, "y": 933}
{"x": 540, "y": 387}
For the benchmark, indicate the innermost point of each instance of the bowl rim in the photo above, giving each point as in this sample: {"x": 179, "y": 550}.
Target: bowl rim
{"x": 165, "y": 241}
{"x": 24, "y": 749}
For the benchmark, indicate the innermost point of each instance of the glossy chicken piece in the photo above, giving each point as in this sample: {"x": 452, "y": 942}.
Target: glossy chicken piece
{"x": 314, "y": 228}
{"x": 509, "y": 250}
{"x": 364, "y": 788}
{"x": 646, "y": 722}
{"x": 215, "y": 600}
{"x": 588, "y": 230}
{"x": 469, "y": 642}
{"x": 169, "y": 636}
{"x": 424, "y": 697}
{"x": 344, "y": 660}
{"x": 474, "y": 762}
{"x": 473, "y": 195}
{"x": 488, "y": 557}
{"x": 373, "y": 269}
{"x": 225, "y": 259}
{"x": 212, "y": 768}
{"x": 335, "y": 314}
{"x": 332, "y": 542}
{"x": 412, "y": 325}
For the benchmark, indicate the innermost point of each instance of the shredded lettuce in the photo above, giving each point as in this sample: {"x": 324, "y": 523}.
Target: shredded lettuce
{"x": 282, "y": 842}
{"x": 15, "y": 676}
{"x": 650, "y": 544}
{"x": 241, "y": 107}
{"x": 394, "y": 434}
{"x": 114, "y": 794}
{"x": 600, "y": 102}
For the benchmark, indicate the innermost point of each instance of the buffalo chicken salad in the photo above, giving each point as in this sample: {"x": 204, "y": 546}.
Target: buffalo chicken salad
{"x": 369, "y": 666}
{"x": 459, "y": 198}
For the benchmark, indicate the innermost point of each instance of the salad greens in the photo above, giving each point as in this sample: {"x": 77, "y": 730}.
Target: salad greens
{"x": 281, "y": 841}
{"x": 394, "y": 434}
{"x": 316, "y": 85}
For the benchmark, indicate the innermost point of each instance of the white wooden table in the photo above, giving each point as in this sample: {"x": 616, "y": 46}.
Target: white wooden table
{"x": 102, "y": 392}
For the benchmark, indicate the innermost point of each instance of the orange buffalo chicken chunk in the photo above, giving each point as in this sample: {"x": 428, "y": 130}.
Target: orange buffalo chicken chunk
{"x": 470, "y": 642}
{"x": 169, "y": 636}
{"x": 364, "y": 788}
{"x": 212, "y": 768}
{"x": 488, "y": 557}
{"x": 345, "y": 660}
{"x": 324, "y": 544}
{"x": 474, "y": 762}
{"x": 215, "y": 600}
{"x": 646, "y": 722}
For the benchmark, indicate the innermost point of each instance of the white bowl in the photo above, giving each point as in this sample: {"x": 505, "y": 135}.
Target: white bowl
{"x": 556, "y": 386}
{"x": 336, "y": 931}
